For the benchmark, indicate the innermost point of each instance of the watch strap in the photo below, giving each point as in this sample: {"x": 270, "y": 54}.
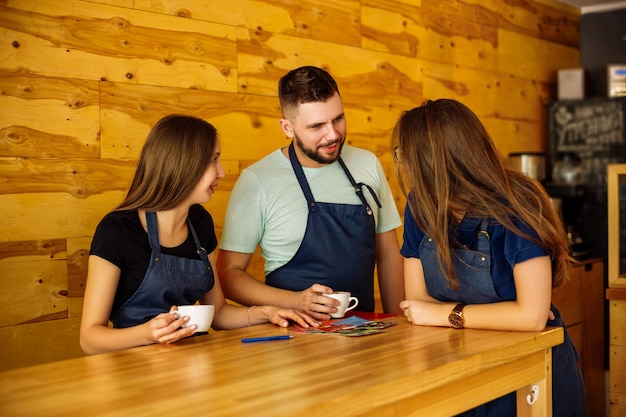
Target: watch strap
{"x": 458, "y": 308}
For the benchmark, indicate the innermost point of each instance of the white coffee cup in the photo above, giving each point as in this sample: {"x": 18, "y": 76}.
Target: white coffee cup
{"x": 200, "y": 315}
{"x": 346, "y": 303}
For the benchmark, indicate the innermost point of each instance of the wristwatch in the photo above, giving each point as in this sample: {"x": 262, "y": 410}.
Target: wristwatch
{"x": 456, "y": 316}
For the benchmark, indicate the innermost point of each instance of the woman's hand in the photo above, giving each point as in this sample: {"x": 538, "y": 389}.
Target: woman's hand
{"x": 281, "y": 316}
{"x": 167, "y": 328}
{"x": 426, "y": 313}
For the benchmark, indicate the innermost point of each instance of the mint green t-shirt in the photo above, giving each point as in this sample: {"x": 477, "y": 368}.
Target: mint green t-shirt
{"x": 267, "y": 206}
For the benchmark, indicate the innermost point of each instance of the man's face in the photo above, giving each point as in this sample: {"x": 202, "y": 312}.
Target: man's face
{"x": 319, "y": 131}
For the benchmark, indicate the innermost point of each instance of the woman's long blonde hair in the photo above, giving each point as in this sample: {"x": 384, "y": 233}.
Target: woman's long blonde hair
{"x": 448, "y": 164}
{"x": 175, "y": 156}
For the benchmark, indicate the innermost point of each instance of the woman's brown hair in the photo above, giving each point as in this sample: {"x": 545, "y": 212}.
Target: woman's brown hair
{"x": 175, "y": 156}
{"x": 448, "y": 164}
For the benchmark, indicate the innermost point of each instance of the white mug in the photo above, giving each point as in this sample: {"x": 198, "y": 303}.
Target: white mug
{"x": 200, "y": 315}
{"x": 346, "y": 303}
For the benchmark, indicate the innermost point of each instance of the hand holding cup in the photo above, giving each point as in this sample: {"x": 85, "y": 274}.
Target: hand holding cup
{"x": 200, "y": 315}
{"x": 346, "y": 301}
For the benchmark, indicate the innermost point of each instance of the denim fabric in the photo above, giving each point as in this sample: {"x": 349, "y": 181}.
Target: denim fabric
{"x": 338, "y": 248}
{"x": 473, "y": 274}
{"x": 169, "y": 280}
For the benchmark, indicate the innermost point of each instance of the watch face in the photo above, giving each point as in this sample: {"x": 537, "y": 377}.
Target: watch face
{"x": 456, "y": 320}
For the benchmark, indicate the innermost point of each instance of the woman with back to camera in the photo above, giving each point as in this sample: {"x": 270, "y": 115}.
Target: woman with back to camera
{"x": 483, "y": 246}
{"x": 156, "y": 249}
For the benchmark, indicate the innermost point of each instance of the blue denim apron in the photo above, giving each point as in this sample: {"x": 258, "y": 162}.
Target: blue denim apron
{"x": 475, "y": 286}
{"x": 170, "y": 280}
{"x": 338, "y": 248}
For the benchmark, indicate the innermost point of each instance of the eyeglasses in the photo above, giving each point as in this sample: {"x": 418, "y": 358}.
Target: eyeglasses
{"x": 397, "y": 153}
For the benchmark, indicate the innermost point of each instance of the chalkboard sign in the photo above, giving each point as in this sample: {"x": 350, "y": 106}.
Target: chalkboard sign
{"x": 591, "y": 131}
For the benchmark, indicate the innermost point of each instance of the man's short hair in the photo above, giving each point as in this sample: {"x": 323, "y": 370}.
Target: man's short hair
{"x": 305, "y": 85}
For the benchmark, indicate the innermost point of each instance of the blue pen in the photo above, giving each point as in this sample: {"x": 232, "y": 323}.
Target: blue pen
{"x": 266, "y": 338}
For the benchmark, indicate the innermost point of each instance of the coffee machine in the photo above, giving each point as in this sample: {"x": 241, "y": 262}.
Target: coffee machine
{"x": 567, "y": 192}
{"x": 564, "y": 187}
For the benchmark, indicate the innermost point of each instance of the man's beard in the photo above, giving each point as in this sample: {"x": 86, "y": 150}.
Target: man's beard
{"x": 316, "y": 154}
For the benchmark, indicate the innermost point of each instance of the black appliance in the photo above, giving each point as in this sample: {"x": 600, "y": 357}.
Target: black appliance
{"x": 584, "y": 137}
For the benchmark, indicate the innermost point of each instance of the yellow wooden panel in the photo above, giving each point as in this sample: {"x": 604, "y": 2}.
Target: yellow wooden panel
{"x": 78, "y": 178}
{"x": 512, "y": 136}
{"x": 39, "y": 216}
{"x": 76, "y": 307}
{"x": 617, "y": 357}
{"x": 617, "y": 404}
{"x": 337, "y": 22}
{"x": 617, "y": 325}
{"x": 557, "y": 5}
{"x": 122, "y": 3}
{"x": 365, "y": 78}
{"x": 56, "y": 38}
{"x": 533, "y": 58}
{"x": 617, "y": 365}
{"x": 370, "y": 128}
{"x": 33, "y": 281}
{"x": 37, "y": 343}
{"x": 389, "y": 26}
{"x": 217, "y": 206}
{"x": 45, "y": 117}
{"x": 247, "y": 124}
{"x": 548, "y": 20}
{"x": 487, "y": 93}
{"x": 432, "y": 35}
{"x": 77, "y": 260}
{"x": 53, "y": 249}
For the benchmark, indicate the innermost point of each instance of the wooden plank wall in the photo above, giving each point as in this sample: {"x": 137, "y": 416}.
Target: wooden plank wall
{"x": 83, "y": 81}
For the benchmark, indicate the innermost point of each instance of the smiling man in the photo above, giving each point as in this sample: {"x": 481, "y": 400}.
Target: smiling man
{"x": 320, "y": 210}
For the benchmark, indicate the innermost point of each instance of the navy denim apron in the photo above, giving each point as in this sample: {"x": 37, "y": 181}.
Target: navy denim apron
{"x": 475, "y": 286}
{"x": 170, "y": 280}
{"x": 338, "y": 248}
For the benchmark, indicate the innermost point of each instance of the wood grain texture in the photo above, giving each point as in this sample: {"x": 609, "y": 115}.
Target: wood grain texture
{"x": 79, "y": 178}
{"x": 617, "y": 311}
{"x": 82, "y": 82}
{"x": 69, "y": 107}
{"x": 617, "y": 378}
{"x": 408, "y": 370}
{"x": 247, "y": 124}
{"x": 58, "y": 38}
{"x": 77, "y": 259}
{"x": 33, "y": 271}
{"x": 36, "y": 216}
{"x": 617, "y": 355}
{"x": 336, "y": 22}
{"x": 39, "y": 343}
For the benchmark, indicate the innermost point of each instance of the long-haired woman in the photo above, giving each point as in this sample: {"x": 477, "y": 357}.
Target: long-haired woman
{"x": 155, "y": 251}
{"x": 483, "y": 246}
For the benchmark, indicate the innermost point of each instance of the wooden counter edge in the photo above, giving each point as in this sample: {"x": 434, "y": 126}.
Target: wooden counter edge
{"x": 616, "y": 293}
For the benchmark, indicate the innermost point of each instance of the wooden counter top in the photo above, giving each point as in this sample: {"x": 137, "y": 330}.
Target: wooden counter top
{"x": 429, "y": 371}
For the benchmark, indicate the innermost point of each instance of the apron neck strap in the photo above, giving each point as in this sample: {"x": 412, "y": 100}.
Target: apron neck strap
{"x": 358, "y": 187}
{"x": 153, "y": 231}
{"x": 297, "y": 168}
{"x": 153, "y": 235}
